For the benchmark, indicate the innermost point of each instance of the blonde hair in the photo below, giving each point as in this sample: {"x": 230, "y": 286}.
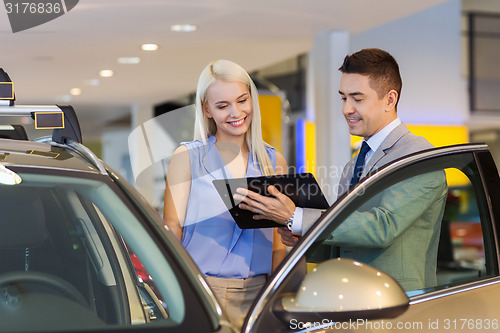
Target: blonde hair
{"x": 228, "y": 71}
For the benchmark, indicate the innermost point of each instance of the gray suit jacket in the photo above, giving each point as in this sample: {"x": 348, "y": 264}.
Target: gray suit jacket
{"x": 397, "y": 231}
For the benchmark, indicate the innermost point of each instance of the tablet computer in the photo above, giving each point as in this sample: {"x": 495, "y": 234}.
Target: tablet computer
{"x": 302, "y": 188}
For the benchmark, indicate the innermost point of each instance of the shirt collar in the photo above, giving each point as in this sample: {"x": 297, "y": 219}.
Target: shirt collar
{"x": 376, "y": 140}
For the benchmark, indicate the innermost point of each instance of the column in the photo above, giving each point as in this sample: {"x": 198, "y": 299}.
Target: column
{"x": 140, "y": 153}
{"x": 324, "y": 107}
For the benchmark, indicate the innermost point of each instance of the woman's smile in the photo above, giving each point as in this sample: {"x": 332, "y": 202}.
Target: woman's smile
{"x": 237, "y": 123}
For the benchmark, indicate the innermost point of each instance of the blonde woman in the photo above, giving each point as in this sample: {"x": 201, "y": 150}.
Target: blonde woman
{"x": 227, "y": 144}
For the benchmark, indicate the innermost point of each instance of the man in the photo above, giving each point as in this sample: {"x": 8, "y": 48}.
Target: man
{"x": 401, "y": 225}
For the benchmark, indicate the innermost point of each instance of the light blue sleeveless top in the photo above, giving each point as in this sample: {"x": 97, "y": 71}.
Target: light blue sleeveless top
{"x": 210, "y": 235}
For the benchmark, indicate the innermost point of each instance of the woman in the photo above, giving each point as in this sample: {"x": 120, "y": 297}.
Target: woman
{"x": 228, "y": 144}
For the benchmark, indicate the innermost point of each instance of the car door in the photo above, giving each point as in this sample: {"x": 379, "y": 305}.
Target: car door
{"x": 454, "y": 190}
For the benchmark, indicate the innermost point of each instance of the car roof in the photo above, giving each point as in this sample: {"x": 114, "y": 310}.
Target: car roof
{"x": 43, "y": 155}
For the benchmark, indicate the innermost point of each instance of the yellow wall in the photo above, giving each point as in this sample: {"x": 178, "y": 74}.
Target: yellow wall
{"x": 311, "y": 147}
{"x": 439, "y": 136}
{"x": 271, "y": 115}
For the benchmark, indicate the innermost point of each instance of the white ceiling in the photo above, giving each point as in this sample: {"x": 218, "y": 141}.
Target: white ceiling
{"x": 45, "y": 62}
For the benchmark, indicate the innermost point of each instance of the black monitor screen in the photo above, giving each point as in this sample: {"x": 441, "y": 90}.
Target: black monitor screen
{"x": 6, "y": 90}
{"x": 49, "y": 120}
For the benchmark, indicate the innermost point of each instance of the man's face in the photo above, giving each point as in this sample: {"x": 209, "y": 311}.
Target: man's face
{"x": 365, "y": 113}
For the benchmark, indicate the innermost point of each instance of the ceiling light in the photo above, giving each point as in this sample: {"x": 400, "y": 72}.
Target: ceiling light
{"x": 92, "y": 82}
{"x": 129, "y": 60}
{"x": 106, "y": 73}
{"x": 183, "y": 27}
{"x": 149, "y": 47}
{"x": 75, "y": 91}
{"x": 64, "y": 98}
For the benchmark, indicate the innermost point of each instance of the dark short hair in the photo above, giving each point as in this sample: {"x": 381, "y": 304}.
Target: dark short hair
{"x": 379, "y": 65}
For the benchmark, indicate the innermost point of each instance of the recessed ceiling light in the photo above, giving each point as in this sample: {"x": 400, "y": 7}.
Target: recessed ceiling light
{"x": 92, "y": 82}
{"x": 75, "y": 91}
{"x": 64, "y": 98}
{"x": 149, "y": 47}
{"x": 129, "y": 60}
{"x": 183, "y": 27}
{"x": 106, "y": 73}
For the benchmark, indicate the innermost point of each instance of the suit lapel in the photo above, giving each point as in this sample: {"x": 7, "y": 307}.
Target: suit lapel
{"x": 345, "y": 179}
{"x": 373, "y": 163}
{"x": 385, "y": 147}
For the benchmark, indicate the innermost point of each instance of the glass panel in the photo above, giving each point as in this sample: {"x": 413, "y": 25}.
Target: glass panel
{"x": 148, "y": 289}
{"x": 396, "y": 230}
{"x": 461, "y": 249}
{"x": 426, "y": 230}
{"x": 62, "y": 250}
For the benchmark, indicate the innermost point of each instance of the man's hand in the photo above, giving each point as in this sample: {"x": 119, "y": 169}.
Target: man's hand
{"x": 278, "y": 208}
{"x": 287, "y": 237}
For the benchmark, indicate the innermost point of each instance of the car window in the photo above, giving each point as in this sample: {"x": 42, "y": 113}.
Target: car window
{"x": 74, "y": 248}
{"x": 461, "y": 255}
{"x": 396, "y": 230}
{"x": 428, "y": 230}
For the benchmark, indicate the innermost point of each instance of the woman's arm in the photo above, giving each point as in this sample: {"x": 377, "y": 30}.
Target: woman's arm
{"x": 177, "y": 189}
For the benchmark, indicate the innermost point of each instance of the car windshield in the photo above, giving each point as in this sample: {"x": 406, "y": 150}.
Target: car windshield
{"x": 69, "y": 245}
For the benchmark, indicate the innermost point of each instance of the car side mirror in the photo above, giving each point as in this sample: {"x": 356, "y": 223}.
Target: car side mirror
{"x": 342, "y": 289}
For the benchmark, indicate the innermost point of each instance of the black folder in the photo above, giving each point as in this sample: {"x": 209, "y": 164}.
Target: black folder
{"x": 302, "y": 188}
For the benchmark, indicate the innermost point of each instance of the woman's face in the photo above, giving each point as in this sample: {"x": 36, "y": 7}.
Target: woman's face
{"x": 230, "y": 106}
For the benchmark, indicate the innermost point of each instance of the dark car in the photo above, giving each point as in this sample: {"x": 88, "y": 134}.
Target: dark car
{"x": 80, "y": 250}
{"x": 75, "y": 236}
